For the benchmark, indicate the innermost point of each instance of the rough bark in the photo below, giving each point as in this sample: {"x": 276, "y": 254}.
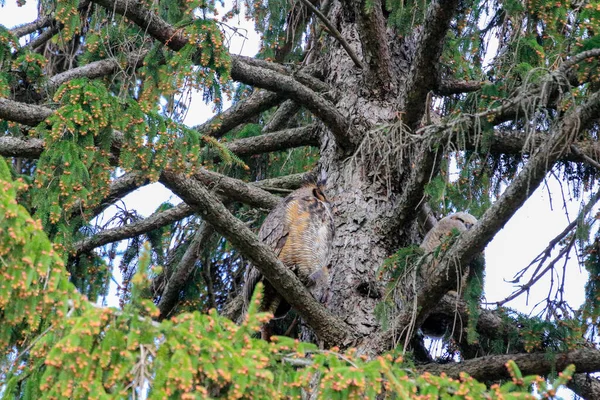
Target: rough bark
{"x": 585, "y": 386}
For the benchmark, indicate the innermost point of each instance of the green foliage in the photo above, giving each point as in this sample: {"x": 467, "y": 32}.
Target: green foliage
{"x": 270, "y": 18}
{"x": 396, "y": 270}
{"x": 66, "y": 13}
{"x": 468, "y": 189}
{"x": 35, "y": 289}
{"x": 100, "y": 353}
{"x": 404, "y": 15}
{"x": 75, "y": 165}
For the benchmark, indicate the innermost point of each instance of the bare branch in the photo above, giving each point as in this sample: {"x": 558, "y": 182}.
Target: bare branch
{"x": 281, "y": 140}
{"x": 22, "y": 113}
{"x": 585, "y": 153}
{"x": 545, "y": 254}
{"x": 154, "y": 221}
{"x": 31, "y": 27}
{"x": 96, "y": 69}
{"x": 492, "y": 368}
{"x": 335, "y": 33}
{"x": 450, "y": 86}
{"x": 327, "y": 327}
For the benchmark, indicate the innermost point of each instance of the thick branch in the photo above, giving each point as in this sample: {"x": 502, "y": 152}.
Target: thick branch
{"x": 96, "y": 69}
{"x": 31, "y": 27}
{"x": 289, "y": 87}
{"x": 374, "y": 41}
{"x": 281, "y": 140}
{"x": 585, "y": 386}
{"x": 239, "y": 113}
{"x": 423, "y": 74}
{"x": 22, "y": 113}
{"x": 154, "y": 221}
{"x": 288, "y": 182}
{"x": 450, "y": 86}
{"x": 327, "y": 327}
{"x": 282, "y": 117}
{"x": 20, "y": 147}
{"x": 45, "y": 36}
{"x": 492, "y": 368}
{"x": 504, "y": 141}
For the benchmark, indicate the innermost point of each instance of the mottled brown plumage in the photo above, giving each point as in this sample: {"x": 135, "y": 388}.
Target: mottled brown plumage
{"x": 460, "y": 221}
{"x": 437, "y": 325}
{"x": 300, "y": 232}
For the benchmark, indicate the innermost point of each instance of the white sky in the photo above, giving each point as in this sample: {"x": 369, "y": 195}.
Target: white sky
{"x": 523, "y": 237}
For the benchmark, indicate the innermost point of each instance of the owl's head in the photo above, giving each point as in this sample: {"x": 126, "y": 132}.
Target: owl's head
{"x": 316, "y": 185}
{"x": 464, "y": 218}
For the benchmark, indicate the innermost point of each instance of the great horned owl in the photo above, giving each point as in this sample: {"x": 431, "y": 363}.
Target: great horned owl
{"x": 300, "y": 232}
{"x": 472, "y": 276}
{"x": 460, "y": 221}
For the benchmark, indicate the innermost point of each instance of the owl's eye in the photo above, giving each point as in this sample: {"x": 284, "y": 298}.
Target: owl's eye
{"x": 319, "y": 195}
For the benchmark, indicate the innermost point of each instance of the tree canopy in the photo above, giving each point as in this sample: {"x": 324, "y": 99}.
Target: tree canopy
{"x": 412, "y": 110}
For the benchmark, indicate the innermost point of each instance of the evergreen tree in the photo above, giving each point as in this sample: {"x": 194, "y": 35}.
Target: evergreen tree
{"x": 388, "y": 100}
